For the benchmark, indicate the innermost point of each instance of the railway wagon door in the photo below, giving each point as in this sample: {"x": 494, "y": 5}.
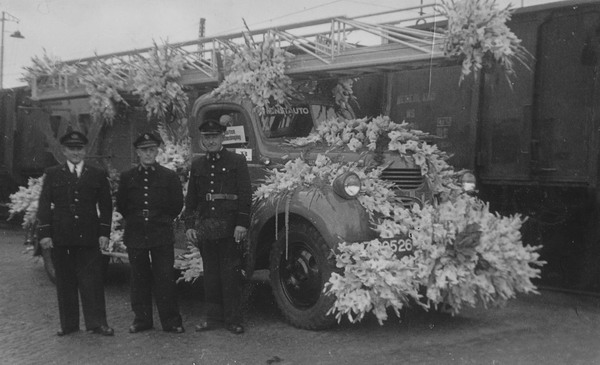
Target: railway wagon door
{"x": 542, "y": 128}
{"x": 538, "y": 153}
{"x": 564, "y": 130}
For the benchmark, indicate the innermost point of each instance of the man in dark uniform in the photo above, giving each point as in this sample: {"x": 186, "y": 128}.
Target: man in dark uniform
{"x": 219, "y": 191}
{"x": 150, "y": 197}
{"x": 74, "y": 219}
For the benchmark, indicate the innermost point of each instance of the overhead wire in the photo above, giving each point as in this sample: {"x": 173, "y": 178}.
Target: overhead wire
{"x": 280, "y": 17}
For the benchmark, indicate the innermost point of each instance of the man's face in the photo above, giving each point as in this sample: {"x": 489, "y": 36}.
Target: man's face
{"x": 147, "y": 155}
{"x": 212, "y": 142}
{"x": 74, "y": 154}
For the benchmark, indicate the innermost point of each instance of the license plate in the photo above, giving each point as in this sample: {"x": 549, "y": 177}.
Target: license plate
{"x": 401, "y": 245}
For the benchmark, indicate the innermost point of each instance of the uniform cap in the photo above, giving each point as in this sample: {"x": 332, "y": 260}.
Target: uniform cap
{"x": 74, "y": 139}
{"x": 211, "y": 126}
{"x": 146, "y": 140}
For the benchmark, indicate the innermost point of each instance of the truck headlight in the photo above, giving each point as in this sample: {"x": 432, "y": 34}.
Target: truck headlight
{"x": 468, "y": 182}
{"x": 347, "y": 185}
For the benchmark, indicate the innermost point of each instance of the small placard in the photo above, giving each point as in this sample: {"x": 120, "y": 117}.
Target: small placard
{"x": 444, "y": 121}
{"x": 244, "y": 151}
{"x": 235, "y": 134}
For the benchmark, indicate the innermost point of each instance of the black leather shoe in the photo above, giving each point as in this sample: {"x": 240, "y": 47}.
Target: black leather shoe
{"x": 102, "y": 330}
{"x": 177, "y": 329}
{"x": 204, "y": 326}
{"x": 63, "y": 332}
{"x": 139, "y": 327}
{"x": 235, "y": 328}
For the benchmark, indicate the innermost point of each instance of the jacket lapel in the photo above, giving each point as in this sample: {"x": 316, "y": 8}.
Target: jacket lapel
{"x": 67, "y": 172}
{"x": 84, "y": 170}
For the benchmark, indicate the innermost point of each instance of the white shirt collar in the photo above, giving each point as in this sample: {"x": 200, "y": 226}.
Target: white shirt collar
{"x": 79, "y": 167}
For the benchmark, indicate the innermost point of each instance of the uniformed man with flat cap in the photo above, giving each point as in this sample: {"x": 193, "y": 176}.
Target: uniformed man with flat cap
{"x": 219, "y": 191}
{"x": 150, "y": 197}
{"x": 74, "y": 219}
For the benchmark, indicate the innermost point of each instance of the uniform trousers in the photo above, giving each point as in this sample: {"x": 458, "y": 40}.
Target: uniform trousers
{"x": 221, "y": 259}
{"x": 79, "y": 273}
{"x": 152, "y": 271}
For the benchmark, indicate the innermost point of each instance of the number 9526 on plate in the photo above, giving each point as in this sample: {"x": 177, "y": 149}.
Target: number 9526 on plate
{"x": 401, "y": 245}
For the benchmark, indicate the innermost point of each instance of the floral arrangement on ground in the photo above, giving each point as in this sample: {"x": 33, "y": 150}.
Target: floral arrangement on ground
{"x": 463, "y": 253}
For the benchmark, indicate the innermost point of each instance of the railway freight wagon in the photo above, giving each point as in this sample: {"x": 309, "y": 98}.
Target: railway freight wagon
{"x": 31, "y": 129}
{"x": 533, "y": 139}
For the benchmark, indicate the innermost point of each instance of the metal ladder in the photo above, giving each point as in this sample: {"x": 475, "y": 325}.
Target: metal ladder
{"x": 329, "y": 47}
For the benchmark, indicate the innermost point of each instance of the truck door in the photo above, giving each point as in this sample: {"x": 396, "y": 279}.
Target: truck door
{"x": 567, "y": 99}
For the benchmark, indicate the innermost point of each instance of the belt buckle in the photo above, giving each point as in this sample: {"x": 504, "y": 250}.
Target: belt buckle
{"x": 145, "y": 213}
{"x": 209, "y": 197}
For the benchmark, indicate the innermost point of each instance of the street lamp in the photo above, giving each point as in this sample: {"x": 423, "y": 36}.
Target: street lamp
{"x": 10, "y": 18}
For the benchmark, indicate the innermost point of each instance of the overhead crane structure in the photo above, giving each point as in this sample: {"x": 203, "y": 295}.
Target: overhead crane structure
{"x": 329, "y": 47}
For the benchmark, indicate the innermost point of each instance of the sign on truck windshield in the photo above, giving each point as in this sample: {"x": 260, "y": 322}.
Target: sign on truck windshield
{"x": 294, "y": 121}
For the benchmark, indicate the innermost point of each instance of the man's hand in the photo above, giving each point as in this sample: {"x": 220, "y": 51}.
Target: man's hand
{"x": 239, "y": 233}
{"x": 103, "y": 241}
{"x": 46, "y": 242}
{"x": 192, "y": 235}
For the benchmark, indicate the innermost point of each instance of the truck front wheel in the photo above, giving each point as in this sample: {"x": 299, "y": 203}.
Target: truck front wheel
{"x": 299, "y": 270}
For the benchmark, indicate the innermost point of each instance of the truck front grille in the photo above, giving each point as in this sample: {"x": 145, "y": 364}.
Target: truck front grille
{"x": 405, "y": 179}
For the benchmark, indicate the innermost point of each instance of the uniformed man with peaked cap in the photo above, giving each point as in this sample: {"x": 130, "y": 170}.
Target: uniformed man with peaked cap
{"x": 74, "y": 220}
{"x": 219, "y": 191}
{"x": 150, "y": 197}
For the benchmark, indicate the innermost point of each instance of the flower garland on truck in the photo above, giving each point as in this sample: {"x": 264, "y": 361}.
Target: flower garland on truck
{"x": 463, "y": 253}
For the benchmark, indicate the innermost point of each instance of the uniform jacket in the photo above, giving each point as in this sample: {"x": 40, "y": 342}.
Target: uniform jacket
{"x": 227, "y": 175}
{"x": 149, "y": 200}
{"x": 75, "y": 211}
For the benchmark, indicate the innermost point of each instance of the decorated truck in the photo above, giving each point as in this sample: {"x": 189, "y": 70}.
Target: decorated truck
{"x": 353, "y": 212}
{"x": 294, "y": 235}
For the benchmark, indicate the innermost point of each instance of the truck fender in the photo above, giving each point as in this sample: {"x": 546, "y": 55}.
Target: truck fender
{"x": 337, "y": 219}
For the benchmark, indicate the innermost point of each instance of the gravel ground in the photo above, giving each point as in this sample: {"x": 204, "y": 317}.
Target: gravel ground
{"x": 551, "y": 328}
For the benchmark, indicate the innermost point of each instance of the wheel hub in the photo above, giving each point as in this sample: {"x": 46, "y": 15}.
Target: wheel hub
{"x": 301, "y": 277}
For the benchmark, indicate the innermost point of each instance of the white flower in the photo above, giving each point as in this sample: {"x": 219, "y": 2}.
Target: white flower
{"x": 477, "y": 31}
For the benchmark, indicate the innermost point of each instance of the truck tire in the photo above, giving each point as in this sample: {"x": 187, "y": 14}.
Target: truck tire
{"x": 298, "y": 282}
{"x": 48, "y": 264}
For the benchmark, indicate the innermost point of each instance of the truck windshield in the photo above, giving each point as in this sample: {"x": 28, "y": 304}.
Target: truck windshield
{"x": 294, "y": 121}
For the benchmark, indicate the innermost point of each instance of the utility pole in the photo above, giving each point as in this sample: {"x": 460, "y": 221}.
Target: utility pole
{"x": 201, "y": 30}
{"x": 6, "y": 17}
